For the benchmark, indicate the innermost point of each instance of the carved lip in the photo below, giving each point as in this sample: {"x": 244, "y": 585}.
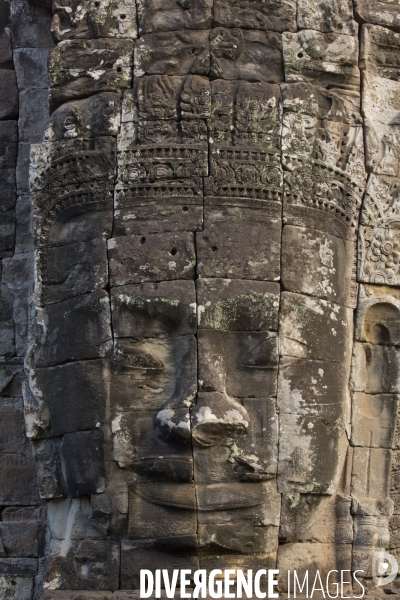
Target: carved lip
{"x": 217, "y": 496}
{"x": 228, "y": 496}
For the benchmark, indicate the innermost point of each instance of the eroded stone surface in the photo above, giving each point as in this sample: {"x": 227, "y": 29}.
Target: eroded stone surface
{"x": 97, "y": 67}
{"x": 200, "y": 233}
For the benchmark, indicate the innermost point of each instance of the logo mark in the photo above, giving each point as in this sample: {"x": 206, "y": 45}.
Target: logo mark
{"x": 384, "y": 568}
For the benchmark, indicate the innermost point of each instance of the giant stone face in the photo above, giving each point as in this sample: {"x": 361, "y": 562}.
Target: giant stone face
{"x": 205, "y": 230}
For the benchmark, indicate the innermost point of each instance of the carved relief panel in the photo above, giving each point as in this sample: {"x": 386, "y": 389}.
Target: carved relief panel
{"x": 196, "y": 276}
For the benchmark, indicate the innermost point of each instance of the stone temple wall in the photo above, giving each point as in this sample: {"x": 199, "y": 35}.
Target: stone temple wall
{"x": 200, "y": 293}
{"x": 25, "y": 43}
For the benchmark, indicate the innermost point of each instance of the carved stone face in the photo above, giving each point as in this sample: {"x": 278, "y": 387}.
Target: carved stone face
{"x": 197, "y": 261}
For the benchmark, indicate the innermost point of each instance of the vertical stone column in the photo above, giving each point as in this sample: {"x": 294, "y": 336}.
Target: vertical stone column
{"x": 67, "y": 393}
{"x": 375, "y": 381}
{"x": 324, "y": 180}
{"x": 25, "y": 42}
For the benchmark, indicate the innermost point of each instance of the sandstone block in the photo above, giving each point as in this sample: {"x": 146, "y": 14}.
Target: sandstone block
{"x": 111, "y": 19}
{"x": 327, "y": 17}
{"x": 17, "y": 275}
{"x": 162, "y": 510}
{"x": 98, "y": 67}
{"x": 239, "y": 243}
{"x": 273, "y": 16}
{"x": 7, "y": 333}
{"x": 312, "y": 453}
{"x": 308, "y": 518}
{"x": 8, "y": 189}
{"x": 257, "y": 504}
{"x": 250, "y": 455}
{"x": 85, "y": 385}
{"x": 231, "y": 123}
{"x": 148, "y": 373}
{"x": 22, "y": 171}
{"x": 308, "y": 387}
{"x": 153, "y": 257}
{"x": 7, "y": 232}
{"x": 370, "y": 476}
{"x": 216, "y": 418}
{"x": 317, "y": 264}
{"x": 31, "y": 68}
{"x": 374, "y": 418}
{"x": 253, "y": 50}
{"x": 243, "y": 364}
{"x": 82, "y": 462}
{"x": 146, "y": 310}
{"x": 90, "y": 565}
{"x": 136, "y": 446}
{"x": 178, "y": 552}
{"x": 33, "y": 115}
{"x": 48, "y": 467}
{"x": 212, "y": 465}
{"x": 8, "y": 94}
{"x": 9, "y": 371}
{"x": 74, "y": 269}
{"x": 378, "y": 12}
{"x": 307, "y": 556}
{"x": 8, "y": 144}
{"x": 238, "y": 537}
{"x": 95, "y": 116}
{"x": 303, "y": 52}
{"x": 379, "y": 46}
{"x": 17, "y": 587}
{"x": 170, "y": 17}
{"x": 17, "y": 481}
{"x": 302, "y": 321}
{"x": 19, "y": 567}
{"x": 12, "y": 427}
{"x": 377, "y": 372}
{"x": 4, "y": 13}
{"x": 173, "y": 53}
{"x": 5, "y": 48}
{"x": 237, "y": 305}
{"x": 30, "y": 25}
{"x": 178, "y": 214}
{"x": 98, "y": 156}
{"x": 22, "y": 531}
{"x": 76, "y": 329}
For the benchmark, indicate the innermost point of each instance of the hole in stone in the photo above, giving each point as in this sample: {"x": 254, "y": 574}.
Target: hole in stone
{"x": 185, "y": 209}
{"x": 300, "y": 55}
{"x": 173, "y": 251}
{"x": 214, "y": 248}
{"x": 119, "y": 69}
{"x": 122, "y": 16}
{"x": 142, "y": 240}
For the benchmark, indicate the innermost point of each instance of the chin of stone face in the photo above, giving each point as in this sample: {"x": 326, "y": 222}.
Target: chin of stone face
{"x": 199, "y": 298}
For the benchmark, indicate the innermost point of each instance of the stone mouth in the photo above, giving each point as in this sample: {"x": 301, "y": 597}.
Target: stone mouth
{"x": 208, "y": 497}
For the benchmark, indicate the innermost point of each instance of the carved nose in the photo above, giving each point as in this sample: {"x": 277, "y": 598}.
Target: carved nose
{"x": 173, "y": 424}
{"x": 217, "y": 419}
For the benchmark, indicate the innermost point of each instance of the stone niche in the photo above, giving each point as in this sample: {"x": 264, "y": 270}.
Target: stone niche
{"x": 212, "y": 374}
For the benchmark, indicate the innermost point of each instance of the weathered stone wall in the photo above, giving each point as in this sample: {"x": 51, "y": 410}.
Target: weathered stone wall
{"x": 207, "y": 246}
{"x": 25, "y": 34}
